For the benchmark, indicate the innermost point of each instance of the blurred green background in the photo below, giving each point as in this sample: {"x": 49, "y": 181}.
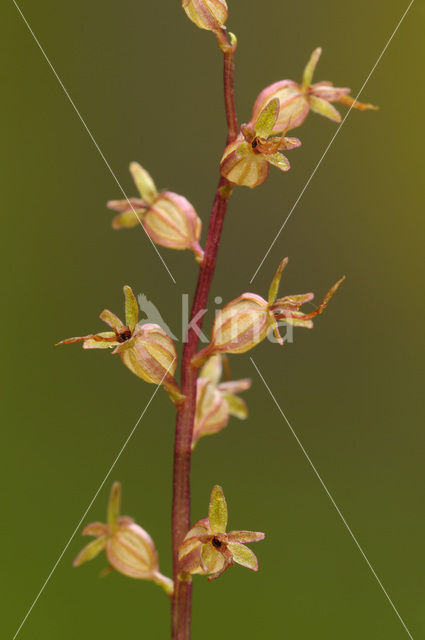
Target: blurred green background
{"x": 148, "y": 83}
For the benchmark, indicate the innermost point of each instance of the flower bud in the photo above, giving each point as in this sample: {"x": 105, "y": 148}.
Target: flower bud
{"x": 151, "y": 355}
{"x": 172, "y": 222}
{"x": 212, "y": 410}
{"x": 296, "y": 100}
{"x": 209, "y": 550}
{"x": 293, "y": 106}
{"x": 238, "y": 327}
{"x": 168, "y": 218}
{"x": 246, "y": 161}
{"x": 131, "y": 551}
{"x": 246, "y": 321}
{"x": 207, "y": 14}
{"x": 128, "y": 547}
{"x": 216, "y": 401}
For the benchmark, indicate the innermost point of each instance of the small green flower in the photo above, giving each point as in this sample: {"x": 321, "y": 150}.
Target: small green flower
{"x": 129, "y": 549}
{"x": 208, "y": 550}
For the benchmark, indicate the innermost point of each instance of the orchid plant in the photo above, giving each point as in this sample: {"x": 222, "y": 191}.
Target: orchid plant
{"x": 204, "y": 402}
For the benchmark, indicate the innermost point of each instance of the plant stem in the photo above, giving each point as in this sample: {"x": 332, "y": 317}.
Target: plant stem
{"x": 181, "y": 602}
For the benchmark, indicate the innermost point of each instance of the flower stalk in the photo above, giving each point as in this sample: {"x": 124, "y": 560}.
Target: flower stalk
{"x": 181, "y": 603}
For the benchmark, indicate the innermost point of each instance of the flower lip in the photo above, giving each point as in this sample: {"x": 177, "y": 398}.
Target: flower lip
{"x": 216, "y": 542}
{"x": 124, "y": 334}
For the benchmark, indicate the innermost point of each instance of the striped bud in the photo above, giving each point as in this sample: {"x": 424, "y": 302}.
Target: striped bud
{"x": 207, "y": 14}
{"x": 151, "y": 355}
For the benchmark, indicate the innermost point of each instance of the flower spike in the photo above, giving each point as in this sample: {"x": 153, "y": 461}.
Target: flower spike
{"x": 296, "y": 100}
{"x": 147, "y": 350}
{"x": 129, "y": 548}
{"x": 247, "y": 320}
{"x": 168, "y": 218}
{"x": 208, "y": 550}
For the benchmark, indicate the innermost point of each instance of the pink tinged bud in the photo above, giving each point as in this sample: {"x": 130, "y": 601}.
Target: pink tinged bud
{"x": 172, "y": 222}
{"x": 212, "y": 410}
{"x": 240, "y": 325}
{"x": 151, "y": 355}
{"x": 246, "y": 321}
{"x": 208, "y": 550}
{"x": 293, "y": 105}
{"x": 207, "y": 14}
{"x": 132, "y": 552}
{"x": 129, "y": 548}
{"x": 215, "y": 401}
{"x": 246, "y": 161}
{"x": 146, "y": 350}
{"x": 168, "y": 218}
{"x": 296, "y": 100}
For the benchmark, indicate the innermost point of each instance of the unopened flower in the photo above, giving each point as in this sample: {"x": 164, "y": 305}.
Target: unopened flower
{"x": 246, "y": 321}
{"x": 207, "y": 14}
{"x": 247, "y": 160}
{"x": 208, "y": 550}
{"x": 216, "y": 401}
{"x": 147, "y": 350}
{"x": 296, "y": 100}
{"x": 129, "y": 548}
{"x": 168, "y": 218}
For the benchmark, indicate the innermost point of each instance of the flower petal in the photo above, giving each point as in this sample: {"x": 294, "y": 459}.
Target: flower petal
{"x": 322, "y": 306}
{"x": 212, "y": 369}
{"x": 114, "y": 505}
{"x": 190, "y": 556}
{"x": 217, "y": 512}
{"x": 324, "y": 108}
{"x": 143, "y": 182}
{"x": 127, "y": 219}
{"x": 310, "y": 67}
{"x": 200, "y": 528}
{"x": 103, "y": 340}
{"x": 278, "y": 160}
{"x": 327, "y": 91}
{"x": 131, "y": 308}
{"x": 289, "y": 143}
{"x": 95, "y": 529}
{"x": 243, "y": 556}
{"x": 274, "y": 287}
{"x": 292, "y": 303}
{"x": 267, "y": 119}
{"x": 111, "y": 319}
{"x": 245, "y": 536}
{"x": 212, "y": 561}
{"x": 90, "y": 551}
{"x": 235, "y": 386}
{"x": 237, "y": 407}
{"x": 349, "y": 101}
{"x": 127, "y": 205}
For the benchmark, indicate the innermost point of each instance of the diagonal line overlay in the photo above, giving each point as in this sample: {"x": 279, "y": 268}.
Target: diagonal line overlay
{"x": 331, "y": 141}
{"x": 338, "y": 510}
{"x": 102, "y": 155}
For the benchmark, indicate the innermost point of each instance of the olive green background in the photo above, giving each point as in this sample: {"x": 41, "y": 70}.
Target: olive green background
{"x": 148, "y": 84}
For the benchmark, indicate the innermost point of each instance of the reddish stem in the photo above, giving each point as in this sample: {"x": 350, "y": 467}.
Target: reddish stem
{"x": 181, "y": 603}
